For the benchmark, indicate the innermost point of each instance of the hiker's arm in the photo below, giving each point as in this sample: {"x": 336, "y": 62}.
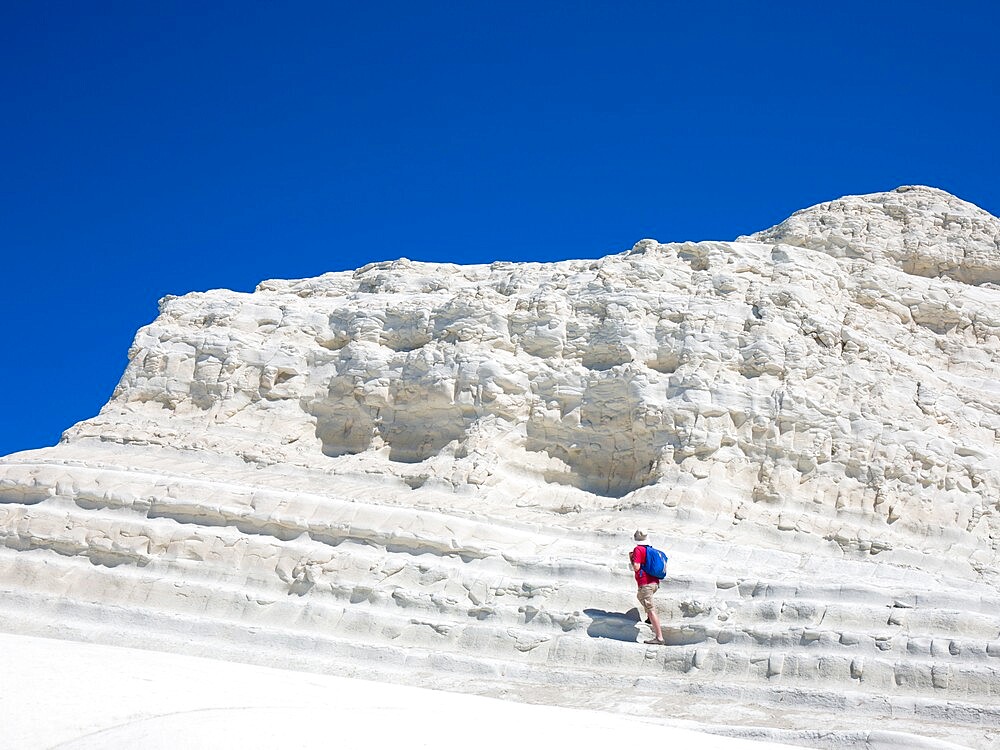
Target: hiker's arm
{"x": 635, "y": 565}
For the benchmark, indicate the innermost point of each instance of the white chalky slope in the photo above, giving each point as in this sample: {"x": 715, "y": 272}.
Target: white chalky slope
{"x": 429, "y": 474}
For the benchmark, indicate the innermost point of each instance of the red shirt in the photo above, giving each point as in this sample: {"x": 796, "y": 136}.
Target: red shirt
{"x": 638, "y": 555}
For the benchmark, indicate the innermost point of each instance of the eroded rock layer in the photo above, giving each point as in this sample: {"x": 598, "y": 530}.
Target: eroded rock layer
{"x": 431, "y": 472}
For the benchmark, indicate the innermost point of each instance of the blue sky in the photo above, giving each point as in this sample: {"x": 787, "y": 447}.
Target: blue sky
{"x": 161, "y": 148}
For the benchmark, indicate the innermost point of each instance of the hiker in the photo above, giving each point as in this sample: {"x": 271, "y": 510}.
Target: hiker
{"x": 647, "y": 586}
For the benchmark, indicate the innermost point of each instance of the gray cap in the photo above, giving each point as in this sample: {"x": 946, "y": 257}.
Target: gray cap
{"x": 639, "y": 535}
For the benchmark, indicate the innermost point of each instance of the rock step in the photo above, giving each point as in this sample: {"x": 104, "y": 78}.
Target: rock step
{"x": 332, "y": 520}
{"x": 738, "y": 652}
{"x": 356, "y": 568}
{"x": 640, "y": 674}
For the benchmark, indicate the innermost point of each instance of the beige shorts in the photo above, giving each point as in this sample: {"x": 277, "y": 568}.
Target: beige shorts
{"x": 645, "y": 595}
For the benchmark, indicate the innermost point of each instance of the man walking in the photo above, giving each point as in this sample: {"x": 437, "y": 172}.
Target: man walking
{"x": 647, "y": 586}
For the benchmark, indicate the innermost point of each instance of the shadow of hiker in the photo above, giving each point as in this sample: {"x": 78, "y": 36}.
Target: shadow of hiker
{"x": 618, "y": 626}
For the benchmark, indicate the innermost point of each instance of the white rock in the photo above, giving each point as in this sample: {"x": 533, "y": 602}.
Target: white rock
{"x": 430, "y": 473}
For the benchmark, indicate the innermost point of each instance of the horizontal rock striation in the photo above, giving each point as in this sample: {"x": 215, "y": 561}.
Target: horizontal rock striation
{"x": 431, "y": 473}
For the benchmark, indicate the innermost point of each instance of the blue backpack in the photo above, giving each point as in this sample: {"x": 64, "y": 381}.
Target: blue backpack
{"x": 655, "y": 564}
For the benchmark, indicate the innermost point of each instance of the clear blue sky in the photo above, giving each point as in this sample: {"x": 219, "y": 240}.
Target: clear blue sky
{"x": 162, "y": 148}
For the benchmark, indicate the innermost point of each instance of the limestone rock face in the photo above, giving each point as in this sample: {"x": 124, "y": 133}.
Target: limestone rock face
{"x": 428, "y": 469}
{"x": 917, "y": 229}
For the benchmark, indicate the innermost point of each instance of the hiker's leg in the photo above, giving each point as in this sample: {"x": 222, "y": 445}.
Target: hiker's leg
{"x": 645, "y": 597}
{"x": 654, "y": 623}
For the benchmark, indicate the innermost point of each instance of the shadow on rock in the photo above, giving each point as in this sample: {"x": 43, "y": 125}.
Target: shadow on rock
{"x": 619, "y": 626}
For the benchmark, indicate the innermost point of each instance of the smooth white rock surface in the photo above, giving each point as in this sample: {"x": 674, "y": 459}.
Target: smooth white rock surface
{"x": 429, "y": 474}
{"x": 111, "y": 697}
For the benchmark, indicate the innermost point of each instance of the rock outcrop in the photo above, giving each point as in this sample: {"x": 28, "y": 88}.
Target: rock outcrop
{"x": 431, "y": 472}
{"x": 919, "y": 230}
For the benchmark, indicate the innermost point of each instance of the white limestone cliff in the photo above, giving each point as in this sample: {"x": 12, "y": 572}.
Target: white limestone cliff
{"x": 919, "y": 230}
{"x": 430, "y": 473}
